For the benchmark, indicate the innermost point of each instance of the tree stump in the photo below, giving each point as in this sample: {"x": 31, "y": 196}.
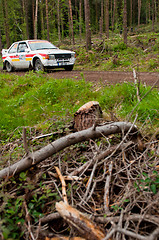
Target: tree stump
{"x": 87, "y": 115}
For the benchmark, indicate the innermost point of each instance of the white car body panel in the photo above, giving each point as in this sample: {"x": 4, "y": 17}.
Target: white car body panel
{"x": 25, "y": 58}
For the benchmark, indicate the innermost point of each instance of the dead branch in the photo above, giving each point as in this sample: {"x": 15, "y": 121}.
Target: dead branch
{"x": 106, "y": 189}
{"x": 101, "y": 156}
{"x": 50, "y": 217}
{"x": 58, "y": 145}
{"x": 28, "y": 220}
{"x": 137, "y": 84}
{"x": 63, "y": 185}
{"x": 134, "y": 217}
{"x": 89, "y": 182}
{"x": 125, "y": 232}
{"x": 25, "y": 141}
{"x": 80, "y": 222}
{"x": 132, "y": 234}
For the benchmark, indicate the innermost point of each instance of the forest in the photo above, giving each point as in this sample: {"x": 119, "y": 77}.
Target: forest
{"x": 59, "y": 19}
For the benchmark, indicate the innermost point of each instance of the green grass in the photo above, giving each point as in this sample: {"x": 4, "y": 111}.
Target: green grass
{"x": 38, "y": 101}
{"x": 35, "y": 98}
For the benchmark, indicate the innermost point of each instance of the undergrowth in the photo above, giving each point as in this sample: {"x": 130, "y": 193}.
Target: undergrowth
{"x": 141, "y": 52}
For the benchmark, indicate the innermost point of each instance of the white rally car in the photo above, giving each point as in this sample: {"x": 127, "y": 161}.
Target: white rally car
{"x": 38, "y": 55}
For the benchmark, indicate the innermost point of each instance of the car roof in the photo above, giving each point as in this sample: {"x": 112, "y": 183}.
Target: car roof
{"x": 33, "y": 40}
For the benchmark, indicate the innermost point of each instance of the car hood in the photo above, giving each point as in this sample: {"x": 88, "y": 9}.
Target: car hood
{"x": 53, "y": 51}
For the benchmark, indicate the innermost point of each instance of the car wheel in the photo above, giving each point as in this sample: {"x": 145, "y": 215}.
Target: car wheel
{"x": 9, "y": 67}
{"x": 69, "y": 68}
{"x": 38, "y": 65}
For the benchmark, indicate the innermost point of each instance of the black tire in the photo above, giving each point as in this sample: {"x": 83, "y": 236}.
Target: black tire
{"x": 9, "y": 67}
{"x": 38, "y": 66}
{"x": 69, "y": 68}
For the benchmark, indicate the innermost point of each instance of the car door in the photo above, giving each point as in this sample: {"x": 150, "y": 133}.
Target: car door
{"x": 21, "y": 52}
{"x": 13, "y": 56}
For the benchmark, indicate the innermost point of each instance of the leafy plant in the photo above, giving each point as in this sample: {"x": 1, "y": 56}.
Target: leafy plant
{"x": 148, "y": 183}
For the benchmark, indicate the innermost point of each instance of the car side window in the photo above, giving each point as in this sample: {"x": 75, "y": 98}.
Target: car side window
{"x": 13, "y": 49}
{"x": 22, "y": 47}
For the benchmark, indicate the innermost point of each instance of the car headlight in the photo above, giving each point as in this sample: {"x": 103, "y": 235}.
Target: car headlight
{"x": 52, "y": 57}
{"x": 73, "y": 55}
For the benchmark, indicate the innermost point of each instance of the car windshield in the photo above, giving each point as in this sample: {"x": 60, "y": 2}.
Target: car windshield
{"x": 38, "y": 45}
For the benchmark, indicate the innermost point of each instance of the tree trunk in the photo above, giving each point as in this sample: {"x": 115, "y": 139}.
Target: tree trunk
{"x": 130, "y": 13}
{"x": 153, "y": 15}
{"x": 139, "y": 12}
{"x": 42, "y": 20}
{"x": 114, "y": 16}
{"x": 6, "y": 22}
{"x": 107, "y": 18}
{"x": 58, "y": 20}
{"x": 96, "y": 9}
{"x": 101, "y": 20}
{"x": 155, "y": 9}
{"x": 26, "y": 18}
{"x": 0, "y": 43}
{"x": 47, "y": 21}
{"x": 80, "y": 19}
{"x": 87, "y": 24}
{"x": 125, "y": 22}
{"x": 35, "y": 20}
{"x": 111, "y": 12}
{"x": 71, "y": 22}
{"x": 33, "y": 14}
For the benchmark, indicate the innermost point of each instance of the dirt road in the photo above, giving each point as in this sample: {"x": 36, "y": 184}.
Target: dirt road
{"x": 103, "y": 76}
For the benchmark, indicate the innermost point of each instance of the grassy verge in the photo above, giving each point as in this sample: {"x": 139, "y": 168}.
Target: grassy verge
{"x": 46, "y": 104}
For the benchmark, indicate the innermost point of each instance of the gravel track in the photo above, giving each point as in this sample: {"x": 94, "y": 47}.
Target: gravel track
{"x": 103, "y": 77}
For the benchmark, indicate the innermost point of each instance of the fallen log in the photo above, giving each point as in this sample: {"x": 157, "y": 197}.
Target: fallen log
{"x": 36, "y": 157}
{"x": 80, "y": 222}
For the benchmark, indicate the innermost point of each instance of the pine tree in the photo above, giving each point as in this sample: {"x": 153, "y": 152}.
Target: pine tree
{"x": 87, "y": 24}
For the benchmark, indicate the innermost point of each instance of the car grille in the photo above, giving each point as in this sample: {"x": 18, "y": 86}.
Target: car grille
{"x": 63, "y": 56}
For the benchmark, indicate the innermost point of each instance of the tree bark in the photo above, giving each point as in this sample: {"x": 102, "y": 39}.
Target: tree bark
{"x": 71, "y": 22}
{"x": 35, "y": 20}
{"x": 125, "y": 22}
{"x": 80, "y": 18}
{"x": 96, "y": 9}
{"x": 47, "y": 21}
{"x": 130, "y": 13}
{"x": 101, "y": 20}
{"x": 114, "y": 16}
{"x": 25, "y": 10}
{"x": 153, "y": 15}
{"x": 0, "y": 43}
{"x": 139, "y": 12}
{"x": 6, "y": 24}
{"x": 58, "y": 20}
{"x": 42, "y": 19}
{"x": 107, "y": 18}
{"x": 58, "y": 145}
{"x": 87, "y": 24}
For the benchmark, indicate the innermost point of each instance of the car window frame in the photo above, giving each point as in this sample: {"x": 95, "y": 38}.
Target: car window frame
{"x": 24, "y": 49}
{"x": 12, "y": 47}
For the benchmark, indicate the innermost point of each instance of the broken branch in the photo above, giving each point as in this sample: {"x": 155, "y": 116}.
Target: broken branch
{"x": 60, "y": 144}
{"x": 79, "y": 221}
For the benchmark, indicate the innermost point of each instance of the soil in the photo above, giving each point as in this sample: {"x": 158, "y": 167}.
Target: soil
{"x": 104, "y": 77}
